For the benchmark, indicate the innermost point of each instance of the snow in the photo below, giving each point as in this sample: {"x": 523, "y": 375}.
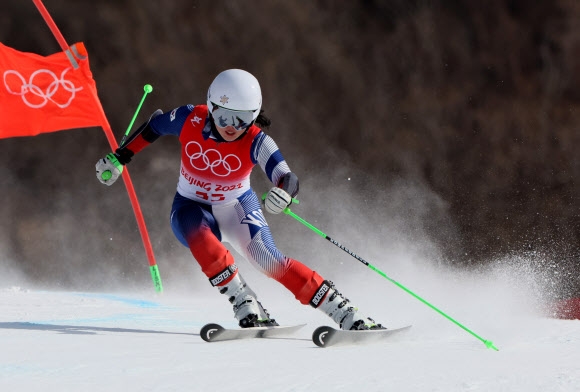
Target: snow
{"x": 143, "y": 341}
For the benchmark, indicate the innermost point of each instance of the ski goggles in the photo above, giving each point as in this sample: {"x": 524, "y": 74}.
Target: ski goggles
{"x": 239, "y": 119}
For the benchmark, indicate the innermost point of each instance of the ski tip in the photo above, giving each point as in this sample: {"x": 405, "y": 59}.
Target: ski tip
{"x": 210, "y": 331}
{"x": 327, "y": 336}
{"x": 322, "y": 335}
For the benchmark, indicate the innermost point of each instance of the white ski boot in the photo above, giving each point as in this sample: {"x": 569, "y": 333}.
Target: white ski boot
{"x": 247, "y": 310}
{"x": 339, "y": 308}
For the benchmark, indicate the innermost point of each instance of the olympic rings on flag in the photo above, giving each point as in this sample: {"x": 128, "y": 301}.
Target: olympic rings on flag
{"x": 30, "y": 87}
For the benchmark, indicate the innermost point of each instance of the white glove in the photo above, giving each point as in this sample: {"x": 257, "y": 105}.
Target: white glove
{"x": 277, "y": 200}
{"x": 109, "y": 169}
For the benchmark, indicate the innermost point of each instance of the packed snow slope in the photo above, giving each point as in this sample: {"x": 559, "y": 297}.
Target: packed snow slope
{"x": 143, "y": 341}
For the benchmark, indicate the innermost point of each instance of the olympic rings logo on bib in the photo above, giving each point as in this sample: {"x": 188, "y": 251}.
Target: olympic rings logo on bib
{"x": 29, "y": 90}
{"x": 212, "y": 159}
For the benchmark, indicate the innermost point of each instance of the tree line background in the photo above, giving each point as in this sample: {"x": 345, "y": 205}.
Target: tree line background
{"x": 449, "y": 126}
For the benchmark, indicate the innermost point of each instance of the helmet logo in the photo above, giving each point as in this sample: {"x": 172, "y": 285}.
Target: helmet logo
{"x": 224, "y": 99}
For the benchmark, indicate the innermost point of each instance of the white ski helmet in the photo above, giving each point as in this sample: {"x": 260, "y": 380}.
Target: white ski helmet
{"x": 236, "y": 90}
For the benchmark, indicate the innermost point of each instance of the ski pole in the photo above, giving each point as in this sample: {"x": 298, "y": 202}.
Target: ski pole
{"x": 153, "y": 268}
{"x": 287, "y": 211}
{"x": 147, "y": 88}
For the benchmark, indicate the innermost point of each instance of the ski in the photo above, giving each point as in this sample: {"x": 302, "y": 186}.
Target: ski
{"x": 216, "y": 333}
{"x": 327, "y": 336}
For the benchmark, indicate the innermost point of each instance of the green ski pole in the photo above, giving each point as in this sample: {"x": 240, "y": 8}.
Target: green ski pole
{"x": 287, "y": 211}
{"x": 154, "y": 269}
{"x": 147, "y": 88}
{"x": 107, "y": 173}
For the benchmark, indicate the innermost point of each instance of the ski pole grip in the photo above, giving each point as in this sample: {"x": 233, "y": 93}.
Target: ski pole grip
{"x": 106, "y": 175}
{"x": 294, "y": 201}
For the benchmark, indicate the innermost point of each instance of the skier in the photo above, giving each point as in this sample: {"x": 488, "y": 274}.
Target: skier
{"x": 221, "y": 142}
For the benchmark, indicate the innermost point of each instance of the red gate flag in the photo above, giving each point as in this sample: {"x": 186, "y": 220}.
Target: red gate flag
{"x": 45, "y": 94}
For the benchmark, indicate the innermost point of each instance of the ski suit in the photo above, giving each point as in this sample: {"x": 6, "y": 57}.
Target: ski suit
{"x": 215, "y": 202}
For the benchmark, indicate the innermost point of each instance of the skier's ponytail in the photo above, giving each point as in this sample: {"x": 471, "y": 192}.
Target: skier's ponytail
{"x": 262, "y": 120}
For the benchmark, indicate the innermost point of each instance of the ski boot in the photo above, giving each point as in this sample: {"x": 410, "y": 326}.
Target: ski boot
{"x": 339, "y": 308}
{"x": 247, "y": 309}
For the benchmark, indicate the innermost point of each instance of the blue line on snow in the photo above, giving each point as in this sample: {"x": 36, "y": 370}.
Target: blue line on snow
{"x": 130, "y": 301}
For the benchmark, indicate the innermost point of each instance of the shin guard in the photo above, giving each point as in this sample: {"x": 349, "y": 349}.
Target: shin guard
{"x": 301, "y": 281}
{"x": 217, "y": 263}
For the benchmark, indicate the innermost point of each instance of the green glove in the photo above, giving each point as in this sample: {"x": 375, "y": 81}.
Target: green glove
{"x": 109, "y": 169}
